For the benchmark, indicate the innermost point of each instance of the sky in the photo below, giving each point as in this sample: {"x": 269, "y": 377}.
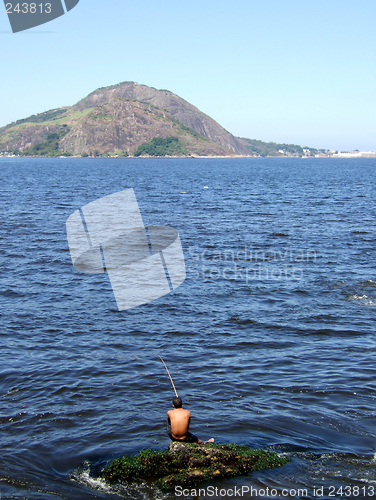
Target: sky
{"x": 291, "y": 71}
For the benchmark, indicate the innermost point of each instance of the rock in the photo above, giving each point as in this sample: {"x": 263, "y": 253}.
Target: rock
{"x": 196, "y": 473}
{"x": 189, "y": 464}
{"x": 176, "y": 447}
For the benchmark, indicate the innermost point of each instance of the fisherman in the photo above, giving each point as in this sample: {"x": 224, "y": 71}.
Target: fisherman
{"x": 178, "y": 421}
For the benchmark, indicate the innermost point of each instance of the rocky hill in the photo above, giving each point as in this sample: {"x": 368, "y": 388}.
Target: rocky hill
{"x": 178, "y": 108}
{"x": 129, "y": 119}
{"x": 119, "y": 120}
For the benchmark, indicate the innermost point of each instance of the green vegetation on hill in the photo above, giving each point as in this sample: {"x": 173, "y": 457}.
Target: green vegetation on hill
{"x": 171, "y": 146}
{"x": 271, "y": 148}
{"x": 190, "y": 131}
{"x": 275, "y": 149}
{"x": 39, "y": 118}
{"x": 50, "y": 147}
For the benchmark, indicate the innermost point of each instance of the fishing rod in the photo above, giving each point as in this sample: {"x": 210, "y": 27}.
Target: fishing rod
{"x": 172, "y": 382}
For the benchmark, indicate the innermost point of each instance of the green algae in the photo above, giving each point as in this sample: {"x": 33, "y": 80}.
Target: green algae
{"x": 189, "y": 464}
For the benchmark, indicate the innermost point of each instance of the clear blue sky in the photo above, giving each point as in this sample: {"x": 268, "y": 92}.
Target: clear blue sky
{"x": 286, "y": 71}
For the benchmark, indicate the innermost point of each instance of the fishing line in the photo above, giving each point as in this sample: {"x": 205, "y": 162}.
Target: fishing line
{"x": 172, "y": 382}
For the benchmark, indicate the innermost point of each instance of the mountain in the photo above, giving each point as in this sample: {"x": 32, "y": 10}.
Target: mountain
{"x": 124, "y": 119}
{"x": 129, "y": 119}
{"x": 180, "y": 110}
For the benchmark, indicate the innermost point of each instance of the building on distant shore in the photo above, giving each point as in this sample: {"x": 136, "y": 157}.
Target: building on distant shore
{"x": 353, "y": 154}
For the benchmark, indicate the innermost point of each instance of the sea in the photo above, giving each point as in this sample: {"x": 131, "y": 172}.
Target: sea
{"x": 270, "y": 340}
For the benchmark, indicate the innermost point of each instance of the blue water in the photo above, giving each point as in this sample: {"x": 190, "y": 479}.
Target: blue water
{"x": 270, "y": 339}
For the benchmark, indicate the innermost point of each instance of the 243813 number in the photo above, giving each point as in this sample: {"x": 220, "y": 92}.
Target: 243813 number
{"x": 29, "y": 8}
{"x": 351, "y": 491}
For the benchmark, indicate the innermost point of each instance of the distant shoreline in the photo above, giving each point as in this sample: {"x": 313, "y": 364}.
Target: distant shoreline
{"x": 133, "y": 120}
{"x": 334, "y": 156}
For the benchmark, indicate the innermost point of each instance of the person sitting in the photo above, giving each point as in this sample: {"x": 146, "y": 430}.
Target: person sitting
{"x": 178, "y": 421}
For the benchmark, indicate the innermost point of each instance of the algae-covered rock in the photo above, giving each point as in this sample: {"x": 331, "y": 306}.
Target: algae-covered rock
{"x": 189, "y": 464}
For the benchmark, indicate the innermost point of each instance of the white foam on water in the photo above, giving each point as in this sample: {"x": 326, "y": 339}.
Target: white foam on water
{"x": 84, "y": 477}
{"x": 95, "y": 483}
{"x": 132, "y": 491}
{"x": 370, "y": 283}
{"x": 368, "y": 301}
